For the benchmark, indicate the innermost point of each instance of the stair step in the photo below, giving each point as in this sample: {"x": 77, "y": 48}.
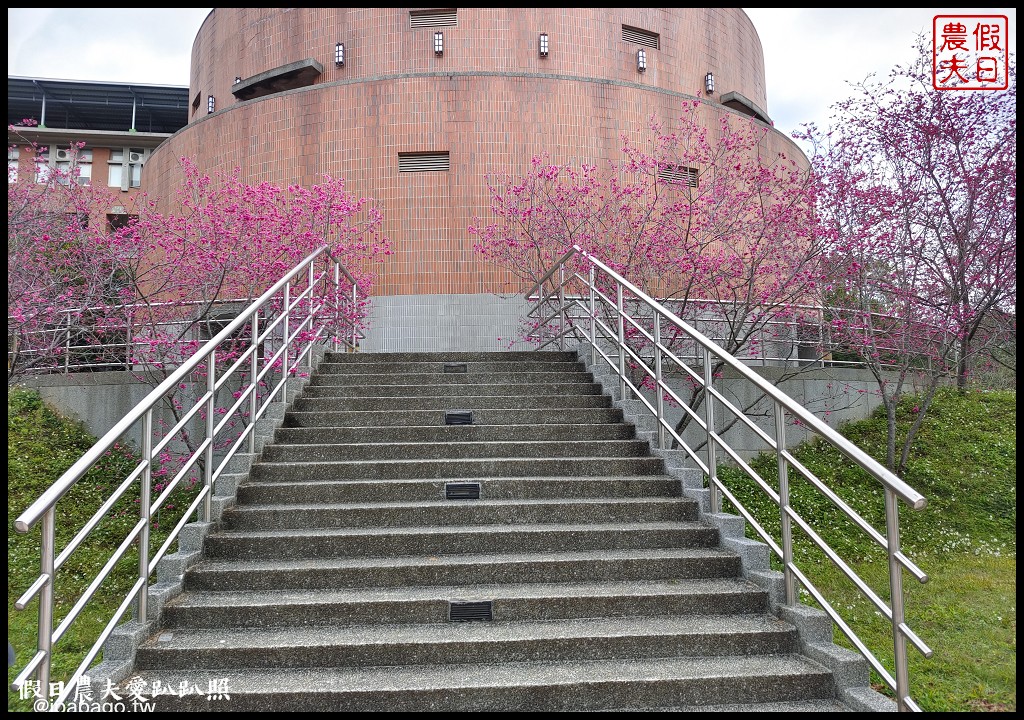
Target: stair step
{"x": 524, "y": 378}
{"x": 539, "y": 686}
{"x": 486, "y": 416}
{"x": 454, "y": 356}
{"x": 467, "y": 642}
{"x": 448, "y": 513}
{"x": 455, "y": 450}
{"x": 566, "y": 566}
{"x": 443, "y": 367}
{"x": 480, "y": 388}
{"x": 455, "y": 433}
{"x": 470, "y": 402}
{"x": 429, "y": 604}
{"x": 457, "y": 468}
{"x": 491, "y": 488}
{"x": 432, "y": 540}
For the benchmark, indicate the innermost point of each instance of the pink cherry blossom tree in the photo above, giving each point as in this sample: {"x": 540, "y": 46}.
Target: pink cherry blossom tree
{"x": 166, "y": 281}
{"x": 223, "y": 240}
{"x": 61, "y": 277}
{"x": 919, "y": 207}
{"x": 705, "y": 219}
{"x": 226, "y": 240}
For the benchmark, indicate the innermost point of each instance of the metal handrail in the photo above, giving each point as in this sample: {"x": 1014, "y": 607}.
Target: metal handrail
{"x": 821, "y": 341}
{"x": 600, "y": 333}
{"x": 302, "y": 321}
{"x": 121, "y": 350}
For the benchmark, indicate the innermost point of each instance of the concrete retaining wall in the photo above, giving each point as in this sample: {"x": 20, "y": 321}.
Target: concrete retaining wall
{"x": 834, "y": 394}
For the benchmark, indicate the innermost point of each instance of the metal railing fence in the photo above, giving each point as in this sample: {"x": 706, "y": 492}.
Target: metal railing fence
{"x": 580, "y": 297}
{"x": 257, "y": 352}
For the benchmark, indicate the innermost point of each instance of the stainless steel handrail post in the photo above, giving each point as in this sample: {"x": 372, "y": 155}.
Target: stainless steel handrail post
{"x": 593, "y": 322}
{"x": 128, "y": 344}
{"x": 892, "y": 535}
{"x": 622, "y": 342}
{"x": 254, "y": 372}
{"x": 309, "y": 314}
{"x": 211, "y": 390}
{"x": 67, "y": 345}
{"x": 145, "y": 486}
{"x": 561, "y": 307}
{"x": 337, "y": 305}
{"x": 286, "y": 310}
{"x": 709, "y": 419}
{"x": 658, "y": 394}
{"x": 786, "y": 528}
{"x": 44, "y": 636}
{"x": 355, "y": 305}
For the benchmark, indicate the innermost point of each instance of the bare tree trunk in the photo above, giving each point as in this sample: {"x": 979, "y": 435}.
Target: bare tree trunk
{"x": 922, "y": 410}
{"x": 961, "y": 366}
{"x": 890, "y": 440}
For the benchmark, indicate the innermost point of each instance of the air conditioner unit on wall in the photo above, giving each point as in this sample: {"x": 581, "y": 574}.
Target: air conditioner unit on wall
{"x": 135, "y": 157}
{"x": 63, "y": 154}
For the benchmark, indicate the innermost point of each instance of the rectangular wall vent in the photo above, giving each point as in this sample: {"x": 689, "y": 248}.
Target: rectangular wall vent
{"x": 469, "y": 611}
{"x": 640, "y": 37}
{"x": 462, "y": 491}
{"x": 458, "y": 417}
{"x": 423, "y": 162}
{"x": 679, "y": 174}
{"x": 455, "y": 367}
{"x": 433, "y": 18}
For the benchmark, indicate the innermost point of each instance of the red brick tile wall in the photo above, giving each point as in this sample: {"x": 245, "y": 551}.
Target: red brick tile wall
{"x": 490, "y": 101}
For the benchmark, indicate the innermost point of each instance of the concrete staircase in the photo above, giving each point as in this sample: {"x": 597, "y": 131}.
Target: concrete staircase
{"x": 345, "y": 578}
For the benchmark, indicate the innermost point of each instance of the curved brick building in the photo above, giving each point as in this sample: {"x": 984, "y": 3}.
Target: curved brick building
{"x": 415, "y": 107}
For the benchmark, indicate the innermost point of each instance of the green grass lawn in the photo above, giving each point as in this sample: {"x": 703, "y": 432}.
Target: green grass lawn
{"x": 964, "y": 462}
{"x": 41, "y": 445}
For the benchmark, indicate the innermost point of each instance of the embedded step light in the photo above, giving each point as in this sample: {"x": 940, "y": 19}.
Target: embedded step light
{"x": 470, "y": 611}
{"x": 458, "y": 417}
{"x": 462, "y": 491}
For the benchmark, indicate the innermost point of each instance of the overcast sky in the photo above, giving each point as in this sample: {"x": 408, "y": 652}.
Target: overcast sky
{"x": 810, "y": 54}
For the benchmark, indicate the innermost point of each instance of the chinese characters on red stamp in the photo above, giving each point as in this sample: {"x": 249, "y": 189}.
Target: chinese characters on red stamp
{"x": 970, "y": 52}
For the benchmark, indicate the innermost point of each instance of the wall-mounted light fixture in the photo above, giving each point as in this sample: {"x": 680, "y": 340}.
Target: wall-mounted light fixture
{"x": 641, "y": 60}
{"x": 210, "y": 102}
{"x": 543, "y": 44}
{"x": 709, "y": 83}
{"x": 438, "y": 43}
{"x": 339, "y": 54}
{"x": 238, "y": 79}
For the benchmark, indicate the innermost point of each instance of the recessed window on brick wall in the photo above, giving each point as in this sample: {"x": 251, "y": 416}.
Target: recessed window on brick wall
{"x": 12, "y": 164}
{"x": 124, "y": 168}
{"x": 641, "y": 37}
{"x": 116, "y": 221}
{"x": 74, "y": 166}
{"x": 433, "y": 18}
{"x": 78, "y": 220}
{"x": 423, "y": 162}
{"x": 678, "y": 174}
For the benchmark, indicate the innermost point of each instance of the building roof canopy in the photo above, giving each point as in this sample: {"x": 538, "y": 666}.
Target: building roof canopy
{"x": 301, "y": 73}
{"x": 104, "y": 106}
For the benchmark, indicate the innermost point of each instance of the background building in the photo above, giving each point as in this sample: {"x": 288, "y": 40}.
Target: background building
{"x": 414, "y": 108}
{"x": 121, "y": 125}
